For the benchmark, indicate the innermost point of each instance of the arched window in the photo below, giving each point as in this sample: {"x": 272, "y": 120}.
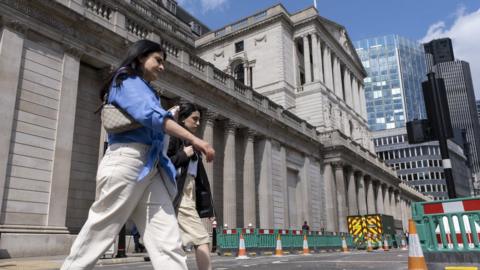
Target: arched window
{"x": 239, "y": 72}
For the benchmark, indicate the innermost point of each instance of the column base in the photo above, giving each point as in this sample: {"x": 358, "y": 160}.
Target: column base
{"x": 29, "y": 241}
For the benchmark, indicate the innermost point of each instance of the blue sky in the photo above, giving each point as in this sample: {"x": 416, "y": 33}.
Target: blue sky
{"x": 419, "y": 20}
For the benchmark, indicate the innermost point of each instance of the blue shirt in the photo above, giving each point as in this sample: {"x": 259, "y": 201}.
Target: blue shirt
{"x": 137, "y": 98}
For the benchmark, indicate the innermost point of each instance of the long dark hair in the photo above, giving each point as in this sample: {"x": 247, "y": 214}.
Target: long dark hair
{"x": 130, "y": 65}
{"x": 186, "y": 109}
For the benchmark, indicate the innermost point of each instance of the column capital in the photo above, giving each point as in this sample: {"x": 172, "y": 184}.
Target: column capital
{"x": 338, "y": 164}
{"x": 251, "y": 133}
{"x": 358, "y": 172}
{"x": 210, "y": 116}
{"x": 17, "y": 26}
{"x": 73, "y": 51}
{"x": 230, "y": 127}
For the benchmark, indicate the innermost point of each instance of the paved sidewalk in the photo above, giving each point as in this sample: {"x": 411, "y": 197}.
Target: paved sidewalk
{"x": 54, "y": 262}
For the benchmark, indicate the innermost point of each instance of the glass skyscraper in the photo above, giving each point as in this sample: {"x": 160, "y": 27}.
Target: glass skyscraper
{"x": 393, "y": 90}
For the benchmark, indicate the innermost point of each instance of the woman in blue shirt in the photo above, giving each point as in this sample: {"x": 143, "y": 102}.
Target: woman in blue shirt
{"x": 128, "y": 181}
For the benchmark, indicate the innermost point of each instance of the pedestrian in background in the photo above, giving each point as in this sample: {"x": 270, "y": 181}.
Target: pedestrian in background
{"x": 194, "y": 199}
{"x": 305, "y": 226}
{"x": 128, "y": 181}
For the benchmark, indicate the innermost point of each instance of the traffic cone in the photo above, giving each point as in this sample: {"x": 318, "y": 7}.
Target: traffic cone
{"x": 379, "y": 243}
{"x": 278, "y": 248}
{"x": 306, "y": 250}
{"x": 385, "y": 244}
{"x": 242, "y": 253}
{"x": 416, "y": 261}
{"x": 344, "y": 245}
{"x": 369, "y": 245}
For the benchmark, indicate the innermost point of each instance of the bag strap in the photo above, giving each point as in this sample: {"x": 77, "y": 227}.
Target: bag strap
{"x": 105, "y": 97}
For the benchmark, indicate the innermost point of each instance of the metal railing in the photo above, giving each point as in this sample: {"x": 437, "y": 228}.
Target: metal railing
{"x": 448, "y": 225}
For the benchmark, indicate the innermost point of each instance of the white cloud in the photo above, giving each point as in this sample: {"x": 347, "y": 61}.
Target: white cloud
{"x": 203, "y": 6}
{"x": 465, "y": 35}
{"x": 208, "y": 5}
{"x": 188, "y": 5}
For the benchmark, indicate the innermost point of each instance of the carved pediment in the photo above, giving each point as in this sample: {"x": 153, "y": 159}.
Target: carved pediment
{"x": 340, "y": 34}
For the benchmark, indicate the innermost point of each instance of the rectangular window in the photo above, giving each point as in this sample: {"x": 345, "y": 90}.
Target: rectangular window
{"x": 196, "y": 28}
{"x": 239, "y": 47}
{"x": 172, "y": 6}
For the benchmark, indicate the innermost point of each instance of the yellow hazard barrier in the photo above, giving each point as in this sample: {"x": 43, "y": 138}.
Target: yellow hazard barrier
{"x": 461, "y": 268}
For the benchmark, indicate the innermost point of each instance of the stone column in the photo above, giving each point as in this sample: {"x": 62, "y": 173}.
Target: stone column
{"x": 327, "y": 65}
{"x": 392, "y": 203}
{"x": 363, "y": 104}
{"x": 337, "y": 75}
{"x": 341, "y": 200}
{"x": 370, "y": 197}
{"x": 11, "y": 48}
{"x": 356, "y": 96}
{"x": 229, "y": 177}
{"x": 379, "y": 201}
{"x": 404, "y": 214}
{"x": 317, "y": 59}
{"x": 352, "y": 193}
{"x": 249, "y": 190}
{"x": 305, "y": 211}
{"x": 265, "y": 199}
{"x": 208, "y": 136}
{"x": 57, "y": 212}
{"x": 246, "y": 72}
{"x": 362, "y": 195}
{"x": 348, "y": 88}
{"x": 399, "y": 207}
{"x": 386, "y": 200}
{"x": 395, "y": 204}
{"x": 306, "y": 59}
{"x": 329, "y": 202}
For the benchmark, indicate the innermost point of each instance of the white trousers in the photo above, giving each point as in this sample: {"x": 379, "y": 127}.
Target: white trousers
{"x": 148, "y": 202}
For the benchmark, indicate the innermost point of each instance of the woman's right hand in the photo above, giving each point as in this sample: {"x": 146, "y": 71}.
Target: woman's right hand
{"x": 204, "y": 147}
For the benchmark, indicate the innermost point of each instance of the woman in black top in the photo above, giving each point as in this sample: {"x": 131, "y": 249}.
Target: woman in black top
{"x": 194, "y": 199}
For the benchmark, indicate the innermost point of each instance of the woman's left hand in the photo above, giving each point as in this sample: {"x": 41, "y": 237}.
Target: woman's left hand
{"x": 204, "y": 147}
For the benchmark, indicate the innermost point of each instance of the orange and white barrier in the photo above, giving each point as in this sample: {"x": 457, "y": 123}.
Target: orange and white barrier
{"x": 344, "y": 245}
{"x": 242, "y": 252}
{"x": 369, "y": 245}
{"x": 385, "y": 244}
{"x": 416, "y": 260}
{"x": 278, "y": 248}
{"x": 306, "y": 250}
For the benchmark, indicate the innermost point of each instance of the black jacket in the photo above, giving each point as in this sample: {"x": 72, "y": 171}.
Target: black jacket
{"x": 202, "y": 186}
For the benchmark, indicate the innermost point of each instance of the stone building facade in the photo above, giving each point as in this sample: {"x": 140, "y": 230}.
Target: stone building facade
{"x": 273, "y": 168}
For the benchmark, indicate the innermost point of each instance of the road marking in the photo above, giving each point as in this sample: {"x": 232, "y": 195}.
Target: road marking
{"x": 321, "y": 261}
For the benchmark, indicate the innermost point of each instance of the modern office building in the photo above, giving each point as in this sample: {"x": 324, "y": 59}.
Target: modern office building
{"x": 420, "y": 165}
{"x": 393, "y": 92}
{"x": 460, "y": 96}
{"x": 441, "y": 51}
